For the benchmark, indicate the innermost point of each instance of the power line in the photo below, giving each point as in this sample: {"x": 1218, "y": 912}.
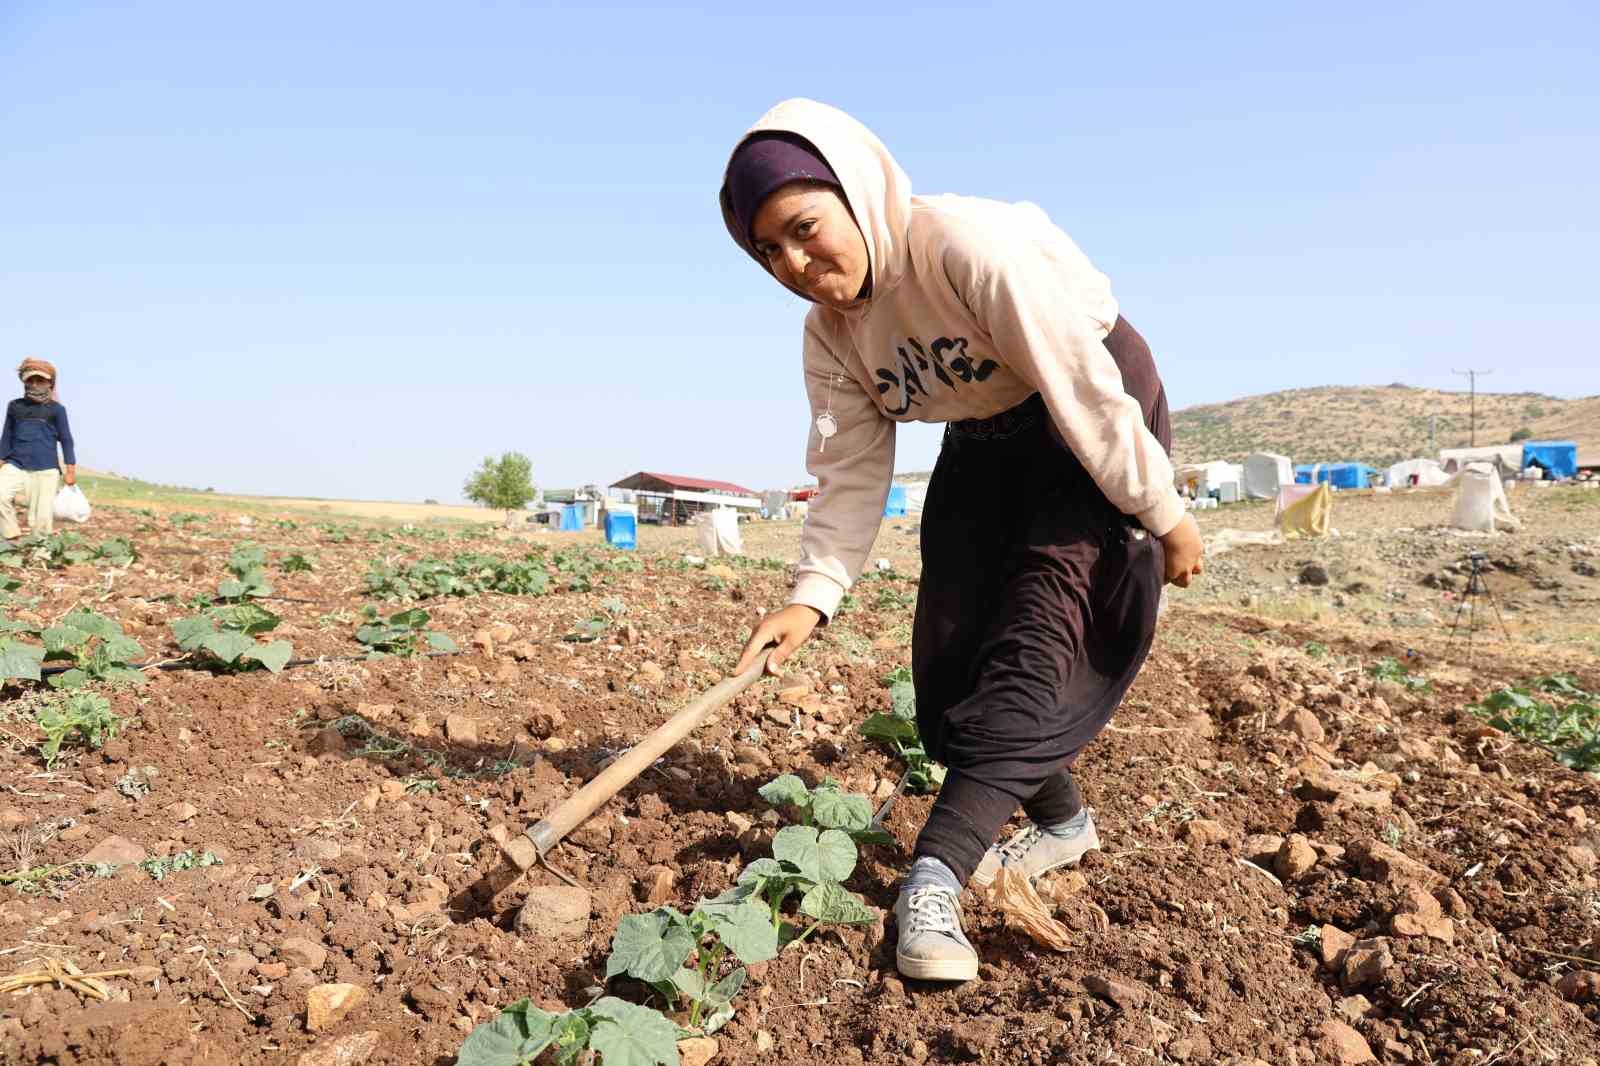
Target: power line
{"x": 1472, "y": 378}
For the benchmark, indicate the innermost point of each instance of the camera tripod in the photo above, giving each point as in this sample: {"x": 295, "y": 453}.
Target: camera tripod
{"x": 1477, "y": 587}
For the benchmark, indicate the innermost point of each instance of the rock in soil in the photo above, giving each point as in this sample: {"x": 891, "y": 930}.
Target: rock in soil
{"x": 328, "y": 1005}
{"x": 697, "y": 1051}
{"x": 349, "y": 1050}
{"x": 116, "y": 851}
{"x": 560, "y": 912}
{"x": 1343, "y": 1045}
{"x": 1203, "y": 831}
{"x": 1579, "y": 985}
{"x": 1125, "y": 995}
{"x": 1335, "y": 945}
{"x": 655, "y": 886}
{"x": 1295, "y": 858}
{"x": 297, "y": 951}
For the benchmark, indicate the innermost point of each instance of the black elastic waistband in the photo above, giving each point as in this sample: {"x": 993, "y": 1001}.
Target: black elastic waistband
{"x": 1027, "y": 415}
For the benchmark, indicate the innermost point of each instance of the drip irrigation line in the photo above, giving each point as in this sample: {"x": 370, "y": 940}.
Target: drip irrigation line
{"x": 184, "y": 664}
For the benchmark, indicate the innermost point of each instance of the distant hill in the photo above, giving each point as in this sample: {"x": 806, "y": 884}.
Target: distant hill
{"x": 1377, "y": 425}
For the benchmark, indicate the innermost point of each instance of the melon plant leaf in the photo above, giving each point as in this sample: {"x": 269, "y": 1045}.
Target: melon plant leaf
{"x": 829, "y": 902}
{"x": 745, "y": 928}
{"x": 191, "y": 632}
{"x": 786, "y": 789}
{"x": 625, "y": 1034}
{"x": 502, "y": 1042}
{"x": 227, "y": 645}
{"x": 440, "y": 642}
{"x": 571, "y": 1037}
{"x": 833, "y": 809}
{"x": 121, "y": 649}
{"x": 62, "y": 639}
{"x": 720, "y": 1000}
{"x": 826, "y": 856}
{"x": 230, "y": 589}
{"x": 651, "y": 946}
{"x": 69, "y": 679}
{"x": 274, "y": 656}
{"x": 93, "y": 624}
{"x": 889, "y": 727}
{"x": 760, "y": 870}
{"x": 19, "y": 660}
{"x": 247, "y": 618}
{"x": 903, "y": 698}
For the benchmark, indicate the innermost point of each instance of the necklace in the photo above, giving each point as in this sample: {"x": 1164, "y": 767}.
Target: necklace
{"x": 827, "y": 424}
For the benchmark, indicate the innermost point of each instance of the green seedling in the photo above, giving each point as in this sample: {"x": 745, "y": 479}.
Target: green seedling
{"x": 248, "y": 566}
{"x": 58, "y": 550}
{"x": 223, "y": 638}
{"x": 96, "y": 647}
{"x": 1551, "y": 711}
{"x": 85, "y": 716}
{"x": 619, "y": 1032}
{"x": 1391, "y": 669}
{"x": 897, "y": 731}
{"x": 827, "y": 807}
{"x": 297, "y": 563}
{"x": 184, "y": 519}
{"x": 402, "y": 633}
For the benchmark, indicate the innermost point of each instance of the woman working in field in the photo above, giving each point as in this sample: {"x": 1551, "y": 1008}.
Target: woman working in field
{"x": 1051, "y": 520}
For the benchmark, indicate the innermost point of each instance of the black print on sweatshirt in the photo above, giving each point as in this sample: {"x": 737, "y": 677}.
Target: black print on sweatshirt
{"x": 952, "y": 370}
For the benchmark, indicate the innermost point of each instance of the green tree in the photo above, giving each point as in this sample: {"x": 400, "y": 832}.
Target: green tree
{"x": 1522, "y": 434}
{"x": 505, "y": 483}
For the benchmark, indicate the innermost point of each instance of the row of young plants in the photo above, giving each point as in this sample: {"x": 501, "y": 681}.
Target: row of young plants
{"x": 576, "y": 569}
{"x": 57, "y": 550}
{"x": 1554, "y": 712}
{"x": 695, "y": 964}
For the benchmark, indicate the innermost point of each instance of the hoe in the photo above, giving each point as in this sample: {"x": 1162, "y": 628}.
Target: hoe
{"x": 528, "y": 848}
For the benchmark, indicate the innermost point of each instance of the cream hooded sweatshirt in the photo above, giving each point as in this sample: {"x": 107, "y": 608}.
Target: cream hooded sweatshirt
{"x": 975, "y": 305}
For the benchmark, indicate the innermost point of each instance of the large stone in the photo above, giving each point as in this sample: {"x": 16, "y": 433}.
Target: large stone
{"x": 1125, "y": 995}
{"x": 697, "y": 1050}
{"x": 1261, "y": 848}
{"x": 1305, "y": 725}
{"x": 1295, "y": 858}
{"x": 1353, "y": 1008}
{"x": 1377, "y": 861}
{"x": 349, "y": 1050}
{"x": 328, "y": 1005}
{"x": 1327, "y": 786}
{"x": 115, "y": 851}
{"x": 1203, "y": 831}
{"x": 459, "y": 729}
{"x": 182, "y": 811}
{"x": 1366, "y": 962}
{"x": 1314, "y": 574}
{"x": 1335, "y": 945}
{"x": 560, "y": 912}
{"x": 1579, "y": 985}
{"x": 655, "y": 885}
{"x": 298, "y": 951}
{"x": 1419, "y": 914}
{"x": 1343, "y": 1045}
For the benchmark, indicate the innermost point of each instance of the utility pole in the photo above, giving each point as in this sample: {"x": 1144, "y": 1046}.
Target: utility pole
{"x": 1472, "y": 378}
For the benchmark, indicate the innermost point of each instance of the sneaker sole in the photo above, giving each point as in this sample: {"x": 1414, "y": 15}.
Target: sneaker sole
{"x": 936, "y": 969}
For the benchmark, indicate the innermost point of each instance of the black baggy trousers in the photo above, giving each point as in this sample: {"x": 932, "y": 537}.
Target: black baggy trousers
{"x": 1036, "y": 610}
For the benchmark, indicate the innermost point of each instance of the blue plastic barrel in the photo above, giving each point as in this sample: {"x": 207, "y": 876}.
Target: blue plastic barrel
{"x": 622, "y": 531}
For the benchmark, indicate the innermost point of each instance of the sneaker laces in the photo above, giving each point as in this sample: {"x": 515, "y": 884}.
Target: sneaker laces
{"x": 1018, "y": 845}
{"x": 933, "y": 910}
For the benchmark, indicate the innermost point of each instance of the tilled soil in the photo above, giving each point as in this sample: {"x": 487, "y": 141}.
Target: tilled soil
{"x": 1301, "y": 864}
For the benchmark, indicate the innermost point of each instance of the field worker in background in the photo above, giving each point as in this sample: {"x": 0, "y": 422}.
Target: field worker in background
{"x": 35, "y": 424}
{"x": 1051, "y": 521}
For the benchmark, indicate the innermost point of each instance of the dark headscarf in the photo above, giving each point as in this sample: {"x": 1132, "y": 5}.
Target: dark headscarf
{"x": 765, "y": 163}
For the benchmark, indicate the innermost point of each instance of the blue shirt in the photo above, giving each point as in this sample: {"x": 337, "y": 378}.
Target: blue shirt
{"x": 32, "y": 432}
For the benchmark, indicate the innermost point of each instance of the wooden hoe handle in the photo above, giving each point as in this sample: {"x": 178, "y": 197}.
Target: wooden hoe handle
{"x": 547, "y": 832}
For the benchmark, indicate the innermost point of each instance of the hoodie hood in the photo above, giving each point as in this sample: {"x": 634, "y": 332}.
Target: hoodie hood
{"x": 876, "y": 189}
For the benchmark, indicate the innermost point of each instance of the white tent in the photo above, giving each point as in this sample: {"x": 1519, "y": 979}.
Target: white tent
{"x": 1506, "y": 458}
{"x": 1480, "y": 502}
{"x": 1223, "y": 477}
{"x": 1428, "y": 473}
{"x": 1266, "y": 473}
{"x": 916, "y": 495}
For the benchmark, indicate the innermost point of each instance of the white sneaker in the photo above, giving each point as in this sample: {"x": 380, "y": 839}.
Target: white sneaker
{"x": 1035, "y": 852}
{"x": 932, "y": 946}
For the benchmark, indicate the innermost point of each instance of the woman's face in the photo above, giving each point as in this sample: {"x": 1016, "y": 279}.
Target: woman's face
{"x": 811, "y": 242}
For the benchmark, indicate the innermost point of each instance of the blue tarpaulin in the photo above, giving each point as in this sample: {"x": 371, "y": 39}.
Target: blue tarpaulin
{"x": 1339, "y": 475}
{"x": 571, "y": 517}
{"x": 895, "y": 505}
{"x": 622, "y": 530}
{"x": 1559, "y": 458}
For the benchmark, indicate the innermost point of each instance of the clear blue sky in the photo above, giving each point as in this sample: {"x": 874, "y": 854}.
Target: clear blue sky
{"x": 348, "y": 249}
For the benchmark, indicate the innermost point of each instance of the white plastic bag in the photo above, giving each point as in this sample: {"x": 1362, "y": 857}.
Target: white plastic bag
{"x": 72, "y": 505}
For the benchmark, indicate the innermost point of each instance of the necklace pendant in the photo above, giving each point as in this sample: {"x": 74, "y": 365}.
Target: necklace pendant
{"x": 827, "y": 425}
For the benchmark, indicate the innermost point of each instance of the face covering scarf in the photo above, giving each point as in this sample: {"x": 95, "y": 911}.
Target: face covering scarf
{"x": 36, "y": 393}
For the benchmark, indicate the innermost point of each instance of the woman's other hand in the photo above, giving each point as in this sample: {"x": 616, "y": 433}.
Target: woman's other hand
{"x": 787, "y": 628}
{"x": 1184, "y": 551}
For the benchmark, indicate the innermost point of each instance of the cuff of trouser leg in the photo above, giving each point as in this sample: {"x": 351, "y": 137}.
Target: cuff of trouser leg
{"x": 964, "y": 822}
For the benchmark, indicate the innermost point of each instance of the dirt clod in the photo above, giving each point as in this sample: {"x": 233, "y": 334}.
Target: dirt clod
{"x": 1343, "y": 1045}
{"x": 558, "y": 912}
{"x": 328, "y": 1005}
